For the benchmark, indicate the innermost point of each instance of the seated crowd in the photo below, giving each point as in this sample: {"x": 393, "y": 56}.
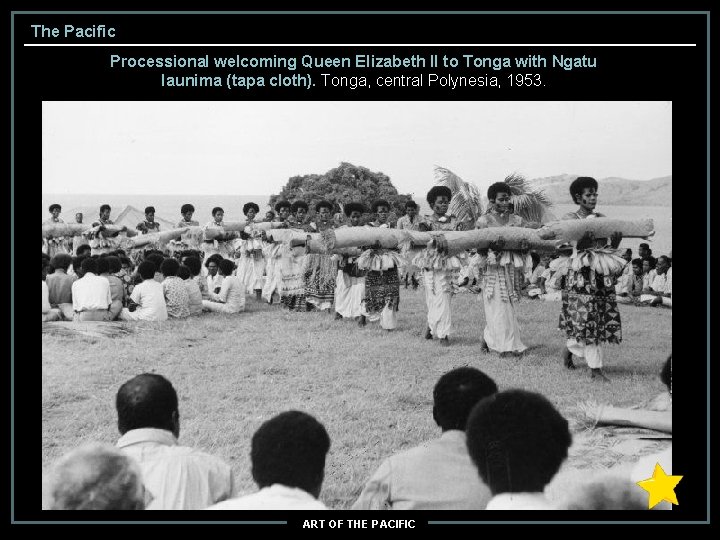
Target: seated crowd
{"x": 498, "y": 450}
{"x": 107, "y": 287}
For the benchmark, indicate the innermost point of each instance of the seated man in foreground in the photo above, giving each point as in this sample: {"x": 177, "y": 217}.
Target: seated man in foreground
{"x": 178, "y": 477}
{"x": 437, "y": 475}
{"x": 288, "y": 464}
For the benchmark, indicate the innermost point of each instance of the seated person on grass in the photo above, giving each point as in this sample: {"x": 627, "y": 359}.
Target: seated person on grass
{"x": 231, "y": 298}
{"x": 630, "y": 285}
{"x": 176, "y": 294}
{"x": 48, "y": 313}
{"x": 659, "y": 289}
{"x": 91, "y": 294}
{"x": 194, "y": 295}
{"x": 60, "y": 285}
{"x": 518, "y": 441}
{"x": 147, "y": 301}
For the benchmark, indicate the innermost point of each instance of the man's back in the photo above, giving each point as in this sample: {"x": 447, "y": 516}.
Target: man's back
{"x": 150, "y": 297}
{"x": 177, "y": 477}
{"x": 60, "y": 287}
{"x": 275, "y": 497}
{"x": 437, "y": 475}
{"x": 91, "y": 292}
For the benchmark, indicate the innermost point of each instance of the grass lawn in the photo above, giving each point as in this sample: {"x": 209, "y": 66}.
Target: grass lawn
{"x": 370, "y": 388}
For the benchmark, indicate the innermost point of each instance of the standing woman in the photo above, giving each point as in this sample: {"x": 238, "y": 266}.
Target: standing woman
{"x": 249, "y": 251}
{"x": 439, "y": 270}
{"x": 272, "y": 252}
{"x": 502, "y": 281}
{"x": 292, "y": 289}
{"x": 350, "y": 282}
{"x": 320, "y": 269}
{"x": 382, "y": 281}
{"x": 61, "y": 244}
{"x": 217, "y": 241}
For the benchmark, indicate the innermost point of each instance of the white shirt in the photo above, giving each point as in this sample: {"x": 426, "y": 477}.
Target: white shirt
{"x": 214, "y": 282}
{"x": 91, "y": 292}
{"x": 520, "y": 501}
{"x": 659, "y": 282}
{"x": 151, "y": 299}
{"x": 45, "y": 298}
{"x": 438, "y": 475}
{"x": 232, "y": 293}
{"x": 177, "y": 477}
{"x": 275, "y": 497}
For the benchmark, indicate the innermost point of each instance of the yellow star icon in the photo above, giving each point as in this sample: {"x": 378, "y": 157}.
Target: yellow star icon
{"x": 661, "y": 487}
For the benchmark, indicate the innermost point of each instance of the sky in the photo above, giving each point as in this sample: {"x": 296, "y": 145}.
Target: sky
{"x": 254, "y": 147}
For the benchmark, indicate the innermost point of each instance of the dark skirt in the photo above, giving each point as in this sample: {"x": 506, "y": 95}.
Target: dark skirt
{"x": 589, "y": 311}
{"x": 382, "y": 289}
{"x": 320, "y": 273}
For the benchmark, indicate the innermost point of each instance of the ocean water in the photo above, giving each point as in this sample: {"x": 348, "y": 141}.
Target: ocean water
{"x": 168, "y": 207}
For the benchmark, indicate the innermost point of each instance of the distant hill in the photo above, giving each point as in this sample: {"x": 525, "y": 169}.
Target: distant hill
{"x": 613, "y": 191}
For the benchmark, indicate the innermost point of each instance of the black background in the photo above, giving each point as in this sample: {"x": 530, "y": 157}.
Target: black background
{"x": 677, "y": 74}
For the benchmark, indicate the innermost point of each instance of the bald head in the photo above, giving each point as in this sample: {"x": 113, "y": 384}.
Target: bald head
{"x": 95, "y": 477}
{"x": 147, "y": 401}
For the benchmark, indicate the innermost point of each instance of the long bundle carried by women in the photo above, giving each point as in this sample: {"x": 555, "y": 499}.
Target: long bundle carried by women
{"x": 159, "y": 237}
{"x": 237, "y": 226}
{"x": 515, "y": 238}
{"x": 74, "y": 229}
{"x": 572, "y": 230}
{"x": 347, "y": 237}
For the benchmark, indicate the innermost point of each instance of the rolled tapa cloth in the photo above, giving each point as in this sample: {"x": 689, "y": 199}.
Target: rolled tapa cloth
{"x": 515, "y": 238}
{"x": 158, "y": 237}
{"x": 348, "y": 237}
{"x": 238, "y": 226}
{"x": 297, "y": 237}
{"x": 63, "y": 229}
{"x": 75, "y": 229}
{"x": 193, "y": 236}
{"x": 572, "y": 230}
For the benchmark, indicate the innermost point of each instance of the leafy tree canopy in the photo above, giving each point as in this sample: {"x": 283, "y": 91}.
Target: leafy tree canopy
{"x": 341, "y": 185}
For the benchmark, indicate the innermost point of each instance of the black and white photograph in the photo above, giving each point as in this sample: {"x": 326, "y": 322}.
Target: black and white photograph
{"x": 356, "y": 305}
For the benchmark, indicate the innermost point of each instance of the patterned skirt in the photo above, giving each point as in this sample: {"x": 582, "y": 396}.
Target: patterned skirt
{"x": 319, "y": 275}
{"x": 382, "y": 289}
{"x": 292, "y": 287}
{"x": 589, "y": 312}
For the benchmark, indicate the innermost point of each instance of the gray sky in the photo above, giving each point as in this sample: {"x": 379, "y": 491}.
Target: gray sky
{"x": 253, "y": 147}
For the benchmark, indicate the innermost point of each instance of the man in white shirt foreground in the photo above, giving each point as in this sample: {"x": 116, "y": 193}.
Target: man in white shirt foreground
{"x": 518, "y": 441}
{"x": 288, "y": 464}
{"x": 91, "y": 297}
{"x": 177, "y": 477}
{"x": 437, "y": 475}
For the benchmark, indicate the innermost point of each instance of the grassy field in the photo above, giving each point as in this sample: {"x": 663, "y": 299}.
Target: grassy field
{"x": 371, "y": 389}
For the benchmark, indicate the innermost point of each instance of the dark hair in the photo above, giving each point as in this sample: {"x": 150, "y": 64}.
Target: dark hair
{"x": 248, "y": 206}
{"x": 271, "y": 212}
{"x": 61, "y": 261}
{"x": 113, "y": 264}
{"x": 77, "y": 262}
{"x": 535, "y": 259}
{"x": 645, "y": 245}
{"x": 667, "y": 259}
{"x": 666, "y": 373}
{"x": 156, "y": 259}
{"x": 125, "y": 260}
{"x": 354, "y": 207}
{"x": 290, "y": 449}
{"x": 89, "y": 265}
{"x": 498, "y": 187}
{"x": 187, "y": 208}
{"x": 456, "y": 393}
{"x": 104, "y": 207}
{"x": 380, "y": 202}
{"x": 146, "y": 269}
{"x": 324, "y": 204}
{"x": 298, "y": 204}
{"x": 184, "y": 272}
{"x": 226, "y": 267}
{"x": 53, "y": 207}
{"x": 82, "y": 248}
{"x": 103, "y": 266}
{"x": 282, "y": 204}
{"x": 149, "y": 209}
{"x": 579, "y": 184}
{"x": 410, "y": 204}
{"x": 438, "y": 191}
{"x": 628, "y": 250}
{"x": 215, "y": 257}
{"x": 652, "y": 262}
{"x": 146, "y": 401}
{"x": 169, "y": 267}
{"x": 517, "y": 440}
{"x": 216, "y": 210}
{"x": 637, "y": 262}
{"x": 194, "y": 265}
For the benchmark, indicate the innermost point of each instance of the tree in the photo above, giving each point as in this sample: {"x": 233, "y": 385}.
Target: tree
{"x": 341, "y": 185}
